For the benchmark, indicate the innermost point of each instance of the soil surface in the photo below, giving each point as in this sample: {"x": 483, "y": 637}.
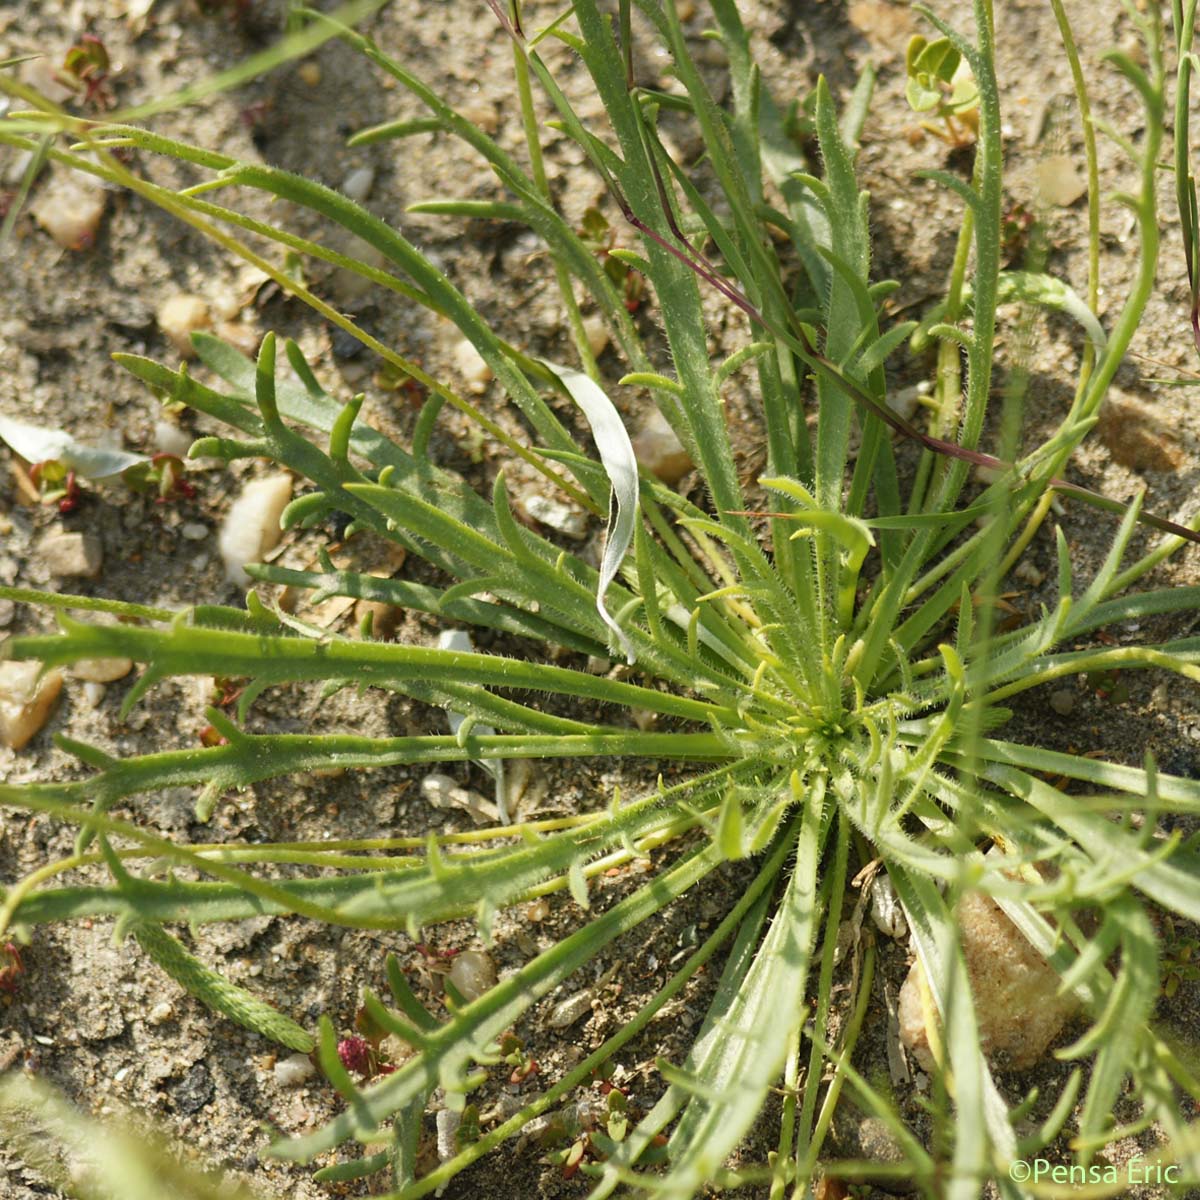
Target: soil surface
{"x": 96, "y": 1018}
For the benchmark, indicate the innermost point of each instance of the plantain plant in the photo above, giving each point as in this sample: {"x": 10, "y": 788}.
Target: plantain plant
{"x": 822, "y": 652}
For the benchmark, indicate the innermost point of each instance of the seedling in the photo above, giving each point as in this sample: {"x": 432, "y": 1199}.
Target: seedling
{"x": 940, "y": 82}
{"x": 87, "y": 68}
{"x": 799, "y": 686}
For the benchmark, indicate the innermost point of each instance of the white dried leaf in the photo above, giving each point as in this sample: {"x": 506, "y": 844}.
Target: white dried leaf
{"x": 620, "y": 464}
{"x": 37, "y": 444}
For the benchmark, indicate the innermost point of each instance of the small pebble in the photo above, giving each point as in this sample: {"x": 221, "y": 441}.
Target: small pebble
{"x": 170, "y": 439}
{"x": 357, "y": 185}
{"x": 557, "y": 515}
{"x": 1026, "y": 572}
{"x": 251, "y": 528}
{"x": 294, "y": 1070}
{"x": 469, "y": 363}
{"x": 438, "y": 790}
{"x": 69, "y": 209}
{"x": 905, "y": 401}
{"x": 1059, "y": 180}
{"x": 472, "y": 972}
{"x": 1017, "y": 1005}
{"x": 180, "y": 317}
{"x": 658, "y": 449}
{"x": 160, "y": 1014}
{"x": 71, "y": 555}
{"x": 595, "y": 329}
{"x": 194, "y": 531}
{"x": 567, "y": 1012}
{"x": 310, "y": 73}
{"x": 8, "y": 610}
{"x": 1063, "y": 701}
{"x": 538, "y": 910}
{"x": 25, "y": 701}
{"x": 93, "y": 694}
{"x": 101, "y": 670}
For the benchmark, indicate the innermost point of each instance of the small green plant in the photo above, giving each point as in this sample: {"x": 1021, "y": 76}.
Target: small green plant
{"x": 828, "y": 654}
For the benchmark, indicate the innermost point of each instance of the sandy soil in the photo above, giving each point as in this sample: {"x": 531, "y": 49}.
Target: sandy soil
{"x": 97, "y": 1019}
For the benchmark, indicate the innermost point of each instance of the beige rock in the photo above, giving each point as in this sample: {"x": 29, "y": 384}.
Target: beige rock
{"x": 26, "y": 701}
{"x": 1136, "y": 436}
{"x": 71, "y": 555}
{"x": 251, "y": 528}
{"x": 472, "y": 972}
{"x": 1059, "y": 180}
{"x": 101, "y": 670}
{"x": 181, "y": 316}
{"x": 471, "y": 366}
{"x": 658, "y": 449}
{"x": 69, "y": 209}
{"x": 1015, "y": 991}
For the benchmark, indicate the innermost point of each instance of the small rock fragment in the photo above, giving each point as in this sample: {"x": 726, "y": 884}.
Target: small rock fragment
{"x": 93, "y": 694}
{"x": 1059, "y": 180}
{"x": 558, "y": 516}
{"x": 179, "y": 317}
{"x": 160, "y": 1014}
{"x": 658, "y": 449}
{"x": 8, "y": 610}
{"x": 1015, "y": 991}
{"x": 170, "y": 439}
{"x": 438, "y": 790}
{"x": 472, "y": 972}
{"x": 310, "y": 73}
{"x": 194, "y": 531}
{"x": 69, "y": 209}
{"x": 538, "y": 910}
{"x": 294, "y": 1070}
{"x": 1063, "y": 701}
{"x": 72, "y": 555}
{"x": 101, "y": 670}
{"x": 567, "y": 1012}
{"x": 1136, "y": 436}
{"x": 358, "y": 183}
{"x": 25, "y": 701}
{"x": 251, "y": 528}
{"x": 595, "y": 329}
{"x": 471, "y": 366}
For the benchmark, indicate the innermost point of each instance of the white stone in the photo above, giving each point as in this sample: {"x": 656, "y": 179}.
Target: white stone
{"x": 469, "y": 363}
{"x": 251, "y": 528}
{"x": 472, "y": 973}
{"x": 160, "y": 1014}
{"x": 69, "y": 209}
{"x": 294, "y": 1070}
{"x": 26, "y": 701}
{"x": 357, "y": 185}
{"x": 71, "y": 555}
{"x": 181, "y": 316}
{"x": 557, "y": 515}
{"x": 170, "y": 439}
{"x": 101, "y": 670}
{"x": 195, "y": 531}
{"x": 658, "y": 449}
